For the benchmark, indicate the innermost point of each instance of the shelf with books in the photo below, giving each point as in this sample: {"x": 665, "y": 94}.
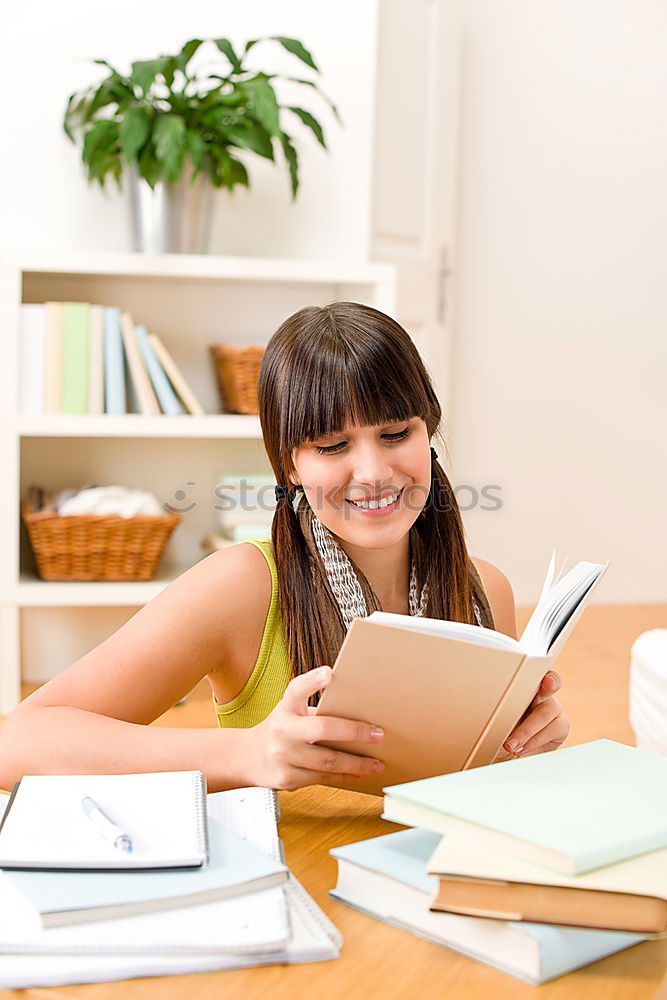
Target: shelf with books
{"x": 189, "y": 302}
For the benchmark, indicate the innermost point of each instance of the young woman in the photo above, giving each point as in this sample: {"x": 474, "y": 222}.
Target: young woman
{"x": 366, "y": 519}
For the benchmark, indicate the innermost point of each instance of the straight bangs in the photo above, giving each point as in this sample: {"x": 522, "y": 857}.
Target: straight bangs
{"x": 349, "y": 364}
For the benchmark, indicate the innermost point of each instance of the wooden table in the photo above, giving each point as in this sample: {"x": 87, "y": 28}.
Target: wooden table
{"x": 379, "y": 961}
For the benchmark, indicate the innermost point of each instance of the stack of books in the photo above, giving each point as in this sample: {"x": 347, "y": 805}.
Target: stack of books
{"x": 80, "y": 358}
{"x": 535, "y": 866}
{"x": 153, "y": 878}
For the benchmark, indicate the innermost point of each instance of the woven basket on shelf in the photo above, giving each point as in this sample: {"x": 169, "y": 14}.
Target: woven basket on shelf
{"x": 95, "y": 547}
{"x": 237, "y": 369}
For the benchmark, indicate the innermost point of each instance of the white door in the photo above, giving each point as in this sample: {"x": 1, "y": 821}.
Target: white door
{"x": 414, "y": 170}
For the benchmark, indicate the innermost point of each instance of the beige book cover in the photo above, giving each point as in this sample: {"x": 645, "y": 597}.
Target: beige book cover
{"x": 444, "y": 704}
{"x": 175, "y": 376}
{"x": 447, "y": 694}
{"x": 145, "y": 393}
{"x": 53, "y": 356}
{"x": 630, "y": 895}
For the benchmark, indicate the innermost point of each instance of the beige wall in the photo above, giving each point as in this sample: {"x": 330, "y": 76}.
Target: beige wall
{"x": 561, "y": 290}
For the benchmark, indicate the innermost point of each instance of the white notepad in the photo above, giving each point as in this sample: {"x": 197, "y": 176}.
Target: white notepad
{"x": 164, "y": 814}
{"x": 243, "y": 932}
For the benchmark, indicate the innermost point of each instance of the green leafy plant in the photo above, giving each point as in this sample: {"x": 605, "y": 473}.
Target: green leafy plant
{"x": 162, "y": 117}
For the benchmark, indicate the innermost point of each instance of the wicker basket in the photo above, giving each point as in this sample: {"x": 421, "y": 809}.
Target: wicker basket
{"x": 237, "y": 370}
{"x": 92, "y": 547}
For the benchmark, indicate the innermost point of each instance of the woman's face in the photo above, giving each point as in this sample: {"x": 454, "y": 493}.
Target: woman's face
{"x": 386, "y": 469}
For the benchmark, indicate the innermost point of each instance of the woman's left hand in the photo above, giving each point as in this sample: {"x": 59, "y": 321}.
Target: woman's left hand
{"x": 543, "y": 727}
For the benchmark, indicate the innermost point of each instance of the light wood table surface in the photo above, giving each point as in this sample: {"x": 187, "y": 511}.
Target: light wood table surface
{"x": 381, "y": 961}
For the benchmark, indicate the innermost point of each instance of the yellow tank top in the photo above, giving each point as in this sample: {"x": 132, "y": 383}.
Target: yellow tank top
{"x": 271, "y": 674}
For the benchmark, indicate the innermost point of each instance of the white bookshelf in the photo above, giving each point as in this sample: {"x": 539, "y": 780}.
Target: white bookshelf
{"x": 191, "y": 301}
{"x": 224, "y": 425}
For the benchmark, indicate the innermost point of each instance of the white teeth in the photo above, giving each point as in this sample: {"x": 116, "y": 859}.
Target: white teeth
{"x": 374, "y": 504}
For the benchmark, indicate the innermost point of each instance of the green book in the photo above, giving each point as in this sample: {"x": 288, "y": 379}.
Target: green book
{"x": 74, "y": 370}
{"x": 572, "y": 809}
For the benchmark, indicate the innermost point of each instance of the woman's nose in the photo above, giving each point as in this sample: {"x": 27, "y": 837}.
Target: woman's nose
{"x": 371, "y": 466}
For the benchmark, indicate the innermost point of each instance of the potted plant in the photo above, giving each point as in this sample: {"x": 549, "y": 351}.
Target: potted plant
{"x": 179, "y": 130}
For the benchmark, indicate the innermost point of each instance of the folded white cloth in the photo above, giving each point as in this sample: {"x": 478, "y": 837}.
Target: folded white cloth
{"x": 648, "y": 690}
{"x": 111, "y": 500}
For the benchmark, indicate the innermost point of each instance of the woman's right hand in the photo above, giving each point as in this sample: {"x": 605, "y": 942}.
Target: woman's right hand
{"x": 281, "y": 749}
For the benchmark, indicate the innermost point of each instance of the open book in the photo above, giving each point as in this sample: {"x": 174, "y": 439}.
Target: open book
{"x": 448, "y": 694}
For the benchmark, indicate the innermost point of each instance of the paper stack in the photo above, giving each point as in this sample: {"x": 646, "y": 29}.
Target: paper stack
{"x": 242, "y": 908}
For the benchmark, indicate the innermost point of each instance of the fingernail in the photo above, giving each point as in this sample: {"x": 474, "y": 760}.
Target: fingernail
{"x": 376, "y": 734}
{"x": 511, "y": 745}
{"x": 378, "y": 766}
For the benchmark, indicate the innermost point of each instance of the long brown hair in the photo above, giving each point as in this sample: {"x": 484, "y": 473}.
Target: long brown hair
{"x": 324, "y": 368}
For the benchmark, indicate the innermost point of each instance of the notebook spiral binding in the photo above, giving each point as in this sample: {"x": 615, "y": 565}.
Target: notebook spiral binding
{"x": 318, "y": 919}
{"x": 199, "y": 794}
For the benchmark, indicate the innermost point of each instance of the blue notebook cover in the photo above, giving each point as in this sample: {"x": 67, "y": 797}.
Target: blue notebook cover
{"x": 403, "y": 857}
{"x": 167, "y": 398}
{"x": 587, "y": 805}
{"x": 114, "y": 363}
{"x": 235, "y": 867}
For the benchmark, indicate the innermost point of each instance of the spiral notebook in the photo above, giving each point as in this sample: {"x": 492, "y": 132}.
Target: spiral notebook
{"x": 273, "y": 927}
{"x": 164, "y": 814}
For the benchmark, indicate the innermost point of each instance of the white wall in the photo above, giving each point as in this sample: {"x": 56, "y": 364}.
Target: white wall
{"x": 561, "y": 299}
{"x": 45, "y": 201}
{"x": 562, "y": 294}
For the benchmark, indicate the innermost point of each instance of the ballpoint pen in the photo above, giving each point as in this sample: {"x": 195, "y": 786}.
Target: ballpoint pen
{"x": 105, "y": 824}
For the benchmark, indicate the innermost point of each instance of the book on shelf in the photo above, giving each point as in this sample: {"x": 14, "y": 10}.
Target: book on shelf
{"x": 167, "y": 398}
{"x": 96, "y": 360}
{"x": 74, "y": 372}
{"x": 188, "y": 398}
{"x": 53, "y": 348}
{"x": 629, "y": 896}
{"x": 572, "y": 810}
{"x": 386, "y": 878}
{"x": 82, "y": 358}
{"x": 33, "y": 347}
{"x": 448, "y": 694}
{"x": 115, "y": 401}
{"x": 143, "y": 389}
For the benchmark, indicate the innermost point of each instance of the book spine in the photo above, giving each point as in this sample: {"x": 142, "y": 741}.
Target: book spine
{"x": 148, "y": 404}
{"x": 74, "y": 377}
{"x": 166, "y": 396}
{"x": 96, "y": 361}
{"x": 182, "y": 388}
{"x": 53, "y": 357}
{"x": 114, "y": 363}
{"x": 513, "y": 702}
{"x": 32, "y": 359}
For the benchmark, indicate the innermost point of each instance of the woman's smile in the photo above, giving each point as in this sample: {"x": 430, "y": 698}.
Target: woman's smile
{"x": 381, "y": 506}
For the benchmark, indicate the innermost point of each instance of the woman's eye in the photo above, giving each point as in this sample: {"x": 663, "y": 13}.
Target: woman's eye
{"x": 329, "y": 449}
{"x": 399, "y": 435}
